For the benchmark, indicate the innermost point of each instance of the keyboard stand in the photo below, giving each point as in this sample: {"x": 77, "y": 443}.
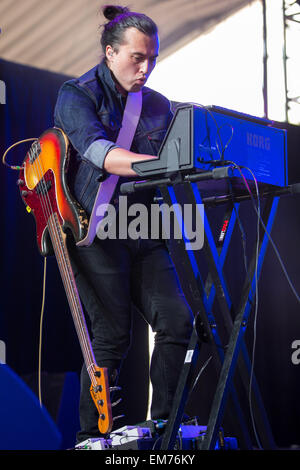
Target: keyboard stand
{"x": 215, "y": 286}
{"x": 231, "y": 361}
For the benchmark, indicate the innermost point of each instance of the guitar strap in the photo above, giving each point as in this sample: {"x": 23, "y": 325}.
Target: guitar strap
{"x": 106, "y": 189}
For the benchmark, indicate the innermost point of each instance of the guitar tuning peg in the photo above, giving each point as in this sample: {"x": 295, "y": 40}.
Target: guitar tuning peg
{"x": 114, "y": 389}
{"x": 115, "y": 403}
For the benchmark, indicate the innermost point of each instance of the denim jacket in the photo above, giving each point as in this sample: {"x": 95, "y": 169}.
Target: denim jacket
{"x": 89, "y": 110}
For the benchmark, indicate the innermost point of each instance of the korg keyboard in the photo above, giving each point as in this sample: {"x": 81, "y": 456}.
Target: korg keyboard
{"x": 202, "y": 138}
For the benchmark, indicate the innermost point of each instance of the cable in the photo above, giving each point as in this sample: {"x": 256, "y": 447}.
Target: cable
{"x": 275, "y": 248}
{"x": 281, "y": 262}
{"x": 241, "y": 228}
{"x": 221, "y": 153}
{"x": 155, "y": 442}
{"x": 288, "y": 280}
{"x": 41, "y": 328}
{"x": 258, "y": 211}
{"x": 198, "y": 376}
{"x": 13, "y": 167}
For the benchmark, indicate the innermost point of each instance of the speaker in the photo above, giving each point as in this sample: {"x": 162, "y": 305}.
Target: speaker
{"x": 24, "y": 424}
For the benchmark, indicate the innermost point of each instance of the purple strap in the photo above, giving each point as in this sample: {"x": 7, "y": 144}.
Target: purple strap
{"x": 107, "y": 187}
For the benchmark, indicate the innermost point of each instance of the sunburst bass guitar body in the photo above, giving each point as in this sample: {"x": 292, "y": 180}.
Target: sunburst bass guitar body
{"x": 44, "y": 188}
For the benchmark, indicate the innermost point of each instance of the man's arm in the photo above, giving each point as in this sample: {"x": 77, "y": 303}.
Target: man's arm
{"x": 75, "y": 113}
{"x": 118, "y": 161}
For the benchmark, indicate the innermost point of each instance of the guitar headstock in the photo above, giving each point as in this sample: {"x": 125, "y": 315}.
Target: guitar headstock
{"x": 101, "y": 396}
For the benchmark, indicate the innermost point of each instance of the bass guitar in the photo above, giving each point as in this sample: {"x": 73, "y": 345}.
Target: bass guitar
{"x": 44, "y": 190}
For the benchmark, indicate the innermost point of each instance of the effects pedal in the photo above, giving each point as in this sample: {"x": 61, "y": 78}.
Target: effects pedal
{"x": 94, "y": 444}
{"x": 129, "y": 433}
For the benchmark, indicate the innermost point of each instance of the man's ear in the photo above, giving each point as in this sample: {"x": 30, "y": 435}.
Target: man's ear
{"x": 109, "y": 52}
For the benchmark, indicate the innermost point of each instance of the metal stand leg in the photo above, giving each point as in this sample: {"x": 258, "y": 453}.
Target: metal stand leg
{"x": 238, "y": 330}
{"x": 182, "y": 392}
{"x": 210, "y": 334}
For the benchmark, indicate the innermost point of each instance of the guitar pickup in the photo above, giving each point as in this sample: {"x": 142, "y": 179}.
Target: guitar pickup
{"x": 43, "y": 187}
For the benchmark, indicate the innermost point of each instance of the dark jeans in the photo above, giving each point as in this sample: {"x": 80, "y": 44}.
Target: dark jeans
{"x": 110, "y": 275}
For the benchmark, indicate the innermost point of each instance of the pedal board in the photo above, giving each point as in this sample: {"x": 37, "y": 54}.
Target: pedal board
{"x": 149, "y": 438}
{"x": 188, "y": 438}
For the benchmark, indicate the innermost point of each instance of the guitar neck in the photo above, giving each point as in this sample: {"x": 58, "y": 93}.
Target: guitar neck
{"x": 58, "y": 239}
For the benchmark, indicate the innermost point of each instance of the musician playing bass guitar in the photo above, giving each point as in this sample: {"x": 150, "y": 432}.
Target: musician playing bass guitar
{"x": 112, "y": 273}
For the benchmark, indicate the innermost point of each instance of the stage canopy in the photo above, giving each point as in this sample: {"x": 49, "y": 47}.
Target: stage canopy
{"x": 63, "y": 36}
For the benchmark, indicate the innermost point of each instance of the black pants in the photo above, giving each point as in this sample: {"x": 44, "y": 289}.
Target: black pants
{"x": 110, "y": 275}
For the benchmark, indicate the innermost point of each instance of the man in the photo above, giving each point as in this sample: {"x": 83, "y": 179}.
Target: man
{"x": 112, "y": 274}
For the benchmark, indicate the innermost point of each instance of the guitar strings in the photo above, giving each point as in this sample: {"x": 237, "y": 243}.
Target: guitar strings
{"x": 48, "y": 212}
{"x": 54, "y": 234}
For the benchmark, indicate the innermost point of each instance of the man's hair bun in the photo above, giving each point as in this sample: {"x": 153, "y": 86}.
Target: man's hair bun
{"x": 112, "y": 11}
{"x": 119, "y": 19}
